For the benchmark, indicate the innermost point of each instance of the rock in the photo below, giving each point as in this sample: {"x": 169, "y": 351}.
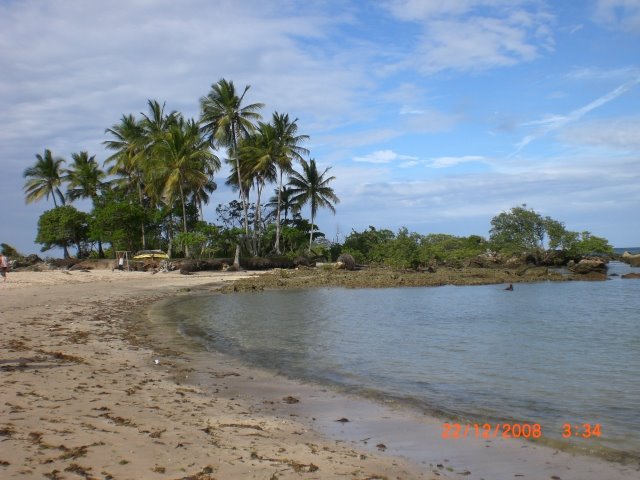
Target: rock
{"x": 631, "y": 275}
{"x": 514, "y": 262}
{"x": 188, "y": 267}
{"x": 592, "y": 276}
{"x": 348, "y": 261}
{"x": 633, "y": 260}
{"x": 28, "y": 261}
{"x": 589, "y": 265}
{"x": 301, "y": 262}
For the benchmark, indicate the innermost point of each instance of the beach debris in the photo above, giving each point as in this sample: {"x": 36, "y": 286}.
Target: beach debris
{"x": 290, "y": 400}
{"x": 342, "y": 420}
{"x": 381, "y": 446}
{"x": 296, "y": 466}
{"x": 156, "y": 361}
{"x": 226, "y": 374}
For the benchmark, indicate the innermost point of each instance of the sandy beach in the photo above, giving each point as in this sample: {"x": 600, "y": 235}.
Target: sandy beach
{"x": 92, "y": 386}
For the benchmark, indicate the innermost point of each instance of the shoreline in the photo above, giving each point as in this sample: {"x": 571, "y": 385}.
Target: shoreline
{"x": 82, "y": 394}
{"x": 109, "y": 410}
{"x": 409, "y": 431}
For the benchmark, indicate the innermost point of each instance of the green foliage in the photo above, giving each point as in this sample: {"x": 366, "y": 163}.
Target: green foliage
{"x": 117, "y": 222}
{"x": 450, "y": 249}
{"x": 365, "y": 246}
{"x": 519, "y": 230}
{"x": 523, "y": 231}
{"x": 410, "y": 250}
{"x": 192, "y": 242}
{"x": 8, "y": 250}
{"x": 62, "y": 227}
{"x": 587, "y": 244}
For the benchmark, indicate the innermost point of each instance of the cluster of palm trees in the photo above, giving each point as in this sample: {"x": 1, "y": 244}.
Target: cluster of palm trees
{"x": 163, "y": 159}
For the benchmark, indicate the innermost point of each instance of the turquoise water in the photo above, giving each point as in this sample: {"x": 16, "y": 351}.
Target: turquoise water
{"x": 548, "y": 353}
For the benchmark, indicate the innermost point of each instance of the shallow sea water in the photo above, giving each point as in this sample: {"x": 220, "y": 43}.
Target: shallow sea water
{"x": 546, "y": 353}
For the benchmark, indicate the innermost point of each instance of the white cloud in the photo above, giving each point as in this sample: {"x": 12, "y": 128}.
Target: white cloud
{"x": 619, "y": 14}
{"x": 445, "y": 162}
{"x": 621, "y": 134}
{"x": 620, "y": 74}
{"x": 383, "y": 156}
{"x": 555, "y": 187}
{"x": 554, "y": 122}
{"x": 476, "y": 34}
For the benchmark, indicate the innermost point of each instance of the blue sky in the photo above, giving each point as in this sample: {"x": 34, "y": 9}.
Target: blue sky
{"x": 434, "y": 115}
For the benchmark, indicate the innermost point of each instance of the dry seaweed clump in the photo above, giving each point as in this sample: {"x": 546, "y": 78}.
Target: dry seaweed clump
{"x": 388, "y": 278}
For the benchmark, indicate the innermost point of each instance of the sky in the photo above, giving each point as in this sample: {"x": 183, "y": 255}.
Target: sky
{"x": 433, "y": 115}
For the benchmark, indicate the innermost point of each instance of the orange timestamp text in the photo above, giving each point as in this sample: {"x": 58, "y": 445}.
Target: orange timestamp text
{"x": 455, "y": 431}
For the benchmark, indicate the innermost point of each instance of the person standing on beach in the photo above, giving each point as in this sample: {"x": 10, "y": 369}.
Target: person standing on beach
{"x": 4, "y": 266}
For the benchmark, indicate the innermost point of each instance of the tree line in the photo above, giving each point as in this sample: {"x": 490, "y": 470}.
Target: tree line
{"x": 520, "y": 232}
{"x": 150, "y": 191}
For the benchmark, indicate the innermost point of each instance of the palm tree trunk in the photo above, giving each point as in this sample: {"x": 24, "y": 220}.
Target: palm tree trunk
{"x": 245, "y": 201}
{"x": 144, "y": 240}
{"x": 278, "y": 214}
{"x": 311, "y": 232}
{"x": 184, "y": 220}
{"x": 256, "y": 220}
{"x": 236, "y": 258}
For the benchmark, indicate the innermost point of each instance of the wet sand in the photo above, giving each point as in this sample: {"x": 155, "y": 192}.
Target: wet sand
{"x": 93, "y": 386}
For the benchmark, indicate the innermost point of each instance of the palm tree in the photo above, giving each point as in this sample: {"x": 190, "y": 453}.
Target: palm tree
{"x": 84, "y": 180}
{"x": 128, "y": 159}
{"x": 186, "y": 162}
{"x": 289, "y": 150}
{"x": 313, "y": 188}
{"x": 226, "y": 122}
{"x": 44, "y": 179}
{"x": 283, "y": 198}
{"x": 157, "y": 123}
{"x": 259, "y": 154}
{"x": 201, "y": 195}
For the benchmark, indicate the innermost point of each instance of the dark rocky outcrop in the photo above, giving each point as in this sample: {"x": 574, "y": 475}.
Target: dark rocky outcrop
{"x": 28, "y": 261}
{"x": 250, "y": 263}
{"x": 589, "y": 265}
{"x": 631, "y": 275}
{"x": 348, "y": 261}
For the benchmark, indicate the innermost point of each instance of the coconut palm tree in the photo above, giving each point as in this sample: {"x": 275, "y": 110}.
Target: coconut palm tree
{"x": 289, "y": 141}
{"x": 201, "y": 196}
{"x": 44, "y": 179}
{"x": 259, "y": 154}
{"x": 226, "y": 121}
{"x": 84, "y": 180}
{"x": 283, "y": 198}
{"x": 128, "y": 144}
{"x": 186, "y": 162}
{"x": 313, "y": 188}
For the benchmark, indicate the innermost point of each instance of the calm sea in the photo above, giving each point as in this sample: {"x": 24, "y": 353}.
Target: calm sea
{"x": 548, "y": 353}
